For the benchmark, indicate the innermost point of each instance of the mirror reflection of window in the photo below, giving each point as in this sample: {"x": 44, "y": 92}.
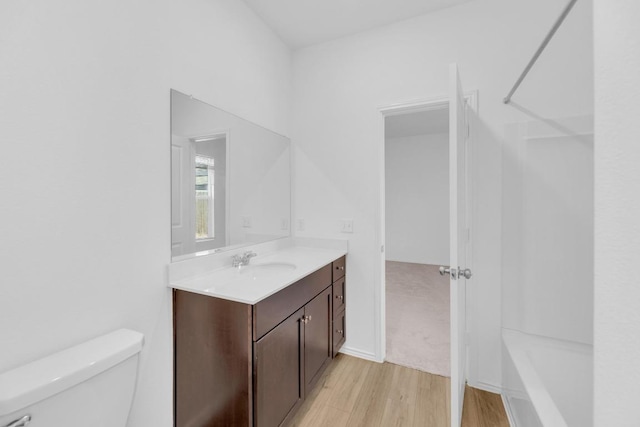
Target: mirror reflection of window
{"x": 205, "y": 191}
{"x": 206, "y": 178}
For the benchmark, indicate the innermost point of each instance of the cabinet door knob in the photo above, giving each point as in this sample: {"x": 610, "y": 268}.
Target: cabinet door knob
{"x": 340, "y": 267}
{"x": 340, "y": 331}
{"x": 305, "y": 319}
{"x": 340, "y": 297}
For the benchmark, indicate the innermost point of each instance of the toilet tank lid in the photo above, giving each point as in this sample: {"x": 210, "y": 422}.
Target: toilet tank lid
{"x": 38, "y": 380}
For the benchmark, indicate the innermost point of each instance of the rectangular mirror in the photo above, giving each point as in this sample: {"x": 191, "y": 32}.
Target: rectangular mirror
{"x": 230, "y": 180}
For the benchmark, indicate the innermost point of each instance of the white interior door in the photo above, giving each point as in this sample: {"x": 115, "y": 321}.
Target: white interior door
{"x": 459, "y": 236}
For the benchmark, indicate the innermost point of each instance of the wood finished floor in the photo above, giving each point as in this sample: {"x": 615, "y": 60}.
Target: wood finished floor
{"x": 356, "y": 392}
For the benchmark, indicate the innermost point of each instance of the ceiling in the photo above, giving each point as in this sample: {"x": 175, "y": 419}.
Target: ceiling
{"x": 419, "y": 123}
{"x": 302, "y": 23}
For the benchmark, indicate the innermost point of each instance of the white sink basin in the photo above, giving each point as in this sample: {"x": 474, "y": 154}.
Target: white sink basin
{"x": 273, "y": 266}
{"x": 265, "y": 269}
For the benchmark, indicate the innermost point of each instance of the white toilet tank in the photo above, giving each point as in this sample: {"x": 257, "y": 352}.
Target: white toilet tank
{"x": 89, "y": 385}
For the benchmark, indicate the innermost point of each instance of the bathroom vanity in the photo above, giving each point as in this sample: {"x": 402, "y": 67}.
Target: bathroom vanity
{"x": 251, "y": 343}
{"x": 251, "y": 337}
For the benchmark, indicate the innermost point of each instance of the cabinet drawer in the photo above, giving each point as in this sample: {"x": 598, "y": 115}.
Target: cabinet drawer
{"x": 339, "y": 267}
{"x": 274, "y": 309}
{"x": 339, "y": 295}
{"x": 339, "y": 332}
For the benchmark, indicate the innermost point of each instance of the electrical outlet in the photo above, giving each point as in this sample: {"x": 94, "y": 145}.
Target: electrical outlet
{"x": 301, "y": 225}
{"x": 347, "y": 226}
{"x": 284, "y": 224}
{"x": 246, "y": 222}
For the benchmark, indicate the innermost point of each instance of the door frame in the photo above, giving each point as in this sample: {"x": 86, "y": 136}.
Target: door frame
{"x": 401, "y": 108}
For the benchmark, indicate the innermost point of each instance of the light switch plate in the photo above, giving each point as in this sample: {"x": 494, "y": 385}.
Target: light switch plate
{"x": 246, "y": 222}
{"x": 347, "y": 226}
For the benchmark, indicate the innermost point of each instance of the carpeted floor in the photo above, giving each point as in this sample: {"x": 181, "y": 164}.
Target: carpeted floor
{"x": 418, "y": 317}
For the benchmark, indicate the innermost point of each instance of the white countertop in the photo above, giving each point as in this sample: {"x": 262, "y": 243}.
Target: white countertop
{"x": 245, "y": 286}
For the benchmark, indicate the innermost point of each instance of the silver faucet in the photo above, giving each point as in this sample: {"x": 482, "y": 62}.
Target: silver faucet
{"x": 244, "y": 259}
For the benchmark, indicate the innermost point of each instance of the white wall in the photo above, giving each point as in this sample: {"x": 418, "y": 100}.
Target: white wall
{"x": 416, "y": 196}
{"x": 84, "y": 173}
{"x": 617, "y": 230}
{"x": 339, "y": 87}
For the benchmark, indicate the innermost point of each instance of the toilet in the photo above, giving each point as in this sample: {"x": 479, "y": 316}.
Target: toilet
{"x": 89, "y": 385}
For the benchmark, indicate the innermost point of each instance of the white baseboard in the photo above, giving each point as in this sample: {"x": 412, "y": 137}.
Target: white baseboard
{"x": 359, "y": 354}
{"x": 491, "y": 388}
{"x": 507, "y": 409}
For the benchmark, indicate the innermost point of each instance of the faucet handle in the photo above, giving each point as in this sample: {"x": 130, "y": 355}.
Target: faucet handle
{"x": 246, "y": 258}
{"x": 242, "y": 260}
{"x": 236, "y": 260}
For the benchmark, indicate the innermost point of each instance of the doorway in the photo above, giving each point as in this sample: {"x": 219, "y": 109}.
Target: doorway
{"x": 463, "y": 120}
{"x": 417, "y": 226}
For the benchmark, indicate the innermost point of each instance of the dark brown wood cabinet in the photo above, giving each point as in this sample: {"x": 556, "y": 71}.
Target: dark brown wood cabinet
{"x": 252, "y": 365}
{"x": 339, "y": 295}
{"x": 212, "y": 361}
{"x": 278, "y": 371}
{"x": 339, "y": 304}
{"x": 318, "y": 350}
{"x": 339, "y": 268}
{"x": 339, "y": 332}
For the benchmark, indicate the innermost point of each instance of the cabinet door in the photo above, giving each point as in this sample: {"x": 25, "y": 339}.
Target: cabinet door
{"x": 317, "y": 337}
{"x": 278, "y": 362}
{"x": 212, "y": 358}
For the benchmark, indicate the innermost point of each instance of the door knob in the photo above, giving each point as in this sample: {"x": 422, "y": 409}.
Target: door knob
{"x": 455, "y": 272}
{"x": 448, "y": 270}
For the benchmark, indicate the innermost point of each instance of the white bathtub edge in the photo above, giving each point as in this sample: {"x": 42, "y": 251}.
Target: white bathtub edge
{"x": 508, "y": 410}
{"x": 545, "y": 408}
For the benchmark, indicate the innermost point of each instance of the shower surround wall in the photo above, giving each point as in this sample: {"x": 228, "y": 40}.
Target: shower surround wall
{"x": 548, "y": 241}
{"x": 547, "y": 300}
{"x": 84, "y": 174}
{"x": 548, "y": 229}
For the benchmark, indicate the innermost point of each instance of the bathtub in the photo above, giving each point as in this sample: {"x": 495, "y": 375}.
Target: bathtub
{"x": 547, "y": 382}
